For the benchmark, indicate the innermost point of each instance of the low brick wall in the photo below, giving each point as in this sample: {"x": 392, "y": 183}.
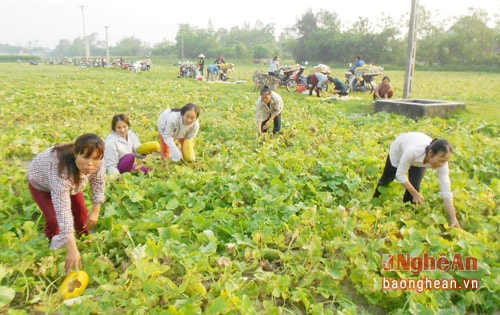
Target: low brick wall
{"x": 418, "y": 108}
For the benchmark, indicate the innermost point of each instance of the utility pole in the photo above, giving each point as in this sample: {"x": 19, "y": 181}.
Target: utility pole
{"x": 107, "y": 47}
{"x": 87, "y": 48}
{"x": 412, "y": 50}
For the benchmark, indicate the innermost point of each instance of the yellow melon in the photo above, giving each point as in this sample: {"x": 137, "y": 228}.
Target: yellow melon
{"x": 73, "y": 285}
{"x": 188, "y": 154}
{"x": 148, "y": 147}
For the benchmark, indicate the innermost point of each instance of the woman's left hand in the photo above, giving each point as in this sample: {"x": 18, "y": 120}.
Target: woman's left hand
{"x": 92, "y": 220}
{"x": 93, "y": 216}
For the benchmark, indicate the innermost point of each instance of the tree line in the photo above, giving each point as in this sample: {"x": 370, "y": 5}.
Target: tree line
{"x": 319, "y": 37}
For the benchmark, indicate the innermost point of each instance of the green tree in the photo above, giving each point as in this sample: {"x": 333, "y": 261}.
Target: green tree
{"x": 64, "y": 48}
{"x": 166, "y": 48}
{"x": 128, "y": 46}
{"x": 470, "y": 40}
{"x": 328, "y": 21}
{"x": 190, "y": 41}
{"x": 241, "y": 52}
{"x": 306, "y": 24}
{"x": 429, "y": 35}
{"x": 362, "y": 26}
{"x": 260, "y": 51}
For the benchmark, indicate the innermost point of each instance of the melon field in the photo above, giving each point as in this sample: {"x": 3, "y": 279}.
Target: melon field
{"x": 269, "y": 225}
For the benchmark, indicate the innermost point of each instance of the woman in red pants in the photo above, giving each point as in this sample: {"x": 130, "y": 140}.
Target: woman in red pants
{"x": 57, "y": 178}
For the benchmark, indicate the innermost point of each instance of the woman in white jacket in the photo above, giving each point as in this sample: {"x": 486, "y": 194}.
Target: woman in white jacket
{"x": 120, "y": 147}
{"x": 177, "y": 124}
{"x": 409, "y": 157}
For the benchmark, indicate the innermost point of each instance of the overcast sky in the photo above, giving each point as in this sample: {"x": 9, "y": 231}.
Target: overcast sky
{"x": 44, "y": 22}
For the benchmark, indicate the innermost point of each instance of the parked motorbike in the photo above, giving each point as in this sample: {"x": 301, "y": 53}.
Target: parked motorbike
{"x": 295, "y": 79}
{"x": 359, "y": 82}
{"x": 224, "y": 70}
{"x": 362, "y": 78}
{"x": 283, "y": 75}
{"x": 187, "y": 71}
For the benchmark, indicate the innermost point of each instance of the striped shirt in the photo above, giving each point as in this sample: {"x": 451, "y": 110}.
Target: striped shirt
{"x": 43, "y": 175}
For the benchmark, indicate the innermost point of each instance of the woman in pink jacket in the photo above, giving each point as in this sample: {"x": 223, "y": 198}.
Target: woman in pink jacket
{"x": 383, "y": 89}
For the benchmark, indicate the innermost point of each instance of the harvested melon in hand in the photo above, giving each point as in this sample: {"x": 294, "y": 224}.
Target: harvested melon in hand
{"x": 148, "y": 147}
{"x": 74, "y": 285}
{"x": 188, "y": 148}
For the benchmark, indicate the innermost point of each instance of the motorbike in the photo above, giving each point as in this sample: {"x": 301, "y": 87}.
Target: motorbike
{"x": 362, "y": 79}
{"x": 284, "y": 74}
{"x": 359, "y": 82}
{"x": 187, "y": 70}
{"x": 224, "y": 70}
{"x": 295, "y": 79}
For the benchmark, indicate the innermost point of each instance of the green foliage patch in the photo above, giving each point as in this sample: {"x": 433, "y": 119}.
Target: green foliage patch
{"x": 275, "y": 225}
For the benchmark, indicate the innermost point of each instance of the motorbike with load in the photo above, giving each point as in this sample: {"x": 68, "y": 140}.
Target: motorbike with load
{"x": 297, "y": 78}
{"x": 362, "y": 79}
{"x": 284, "y": 74}
{"x": 224, "y": 70}
{"x": 187, "y": 70}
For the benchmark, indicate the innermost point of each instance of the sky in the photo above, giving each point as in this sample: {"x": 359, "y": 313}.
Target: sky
{"x": 44, "y": 22}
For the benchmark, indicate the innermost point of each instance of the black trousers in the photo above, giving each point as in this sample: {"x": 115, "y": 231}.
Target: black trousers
{"x": 415, "y": 176}
{"x": 276, "y": 124}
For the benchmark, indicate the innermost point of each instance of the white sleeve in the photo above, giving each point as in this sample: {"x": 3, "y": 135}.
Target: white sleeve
{"x": 167, "y": 132}
{"x": 403, "y": 167}
{"x": 175, "y": 153}
{"x": 111, "y": 157}
{"x": 444, "y": 182}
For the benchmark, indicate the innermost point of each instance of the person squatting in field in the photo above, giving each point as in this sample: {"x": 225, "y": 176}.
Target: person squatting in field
{"x": 268, "y": 108}
{"x": 339, "y": 87}
{"x": 383, "y": 89}
{"x": 318, "y": 81}
{"x": 409, "y": 157}
{"x": 57, "y": 178}
{"x": 120, "y": 147}
{"x": 177, "y": 124}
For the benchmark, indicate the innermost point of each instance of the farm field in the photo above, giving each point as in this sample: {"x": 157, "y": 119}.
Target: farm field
{"x": 275, "y": 225}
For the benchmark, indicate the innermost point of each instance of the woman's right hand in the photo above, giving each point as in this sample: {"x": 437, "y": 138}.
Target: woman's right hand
{"x": 418, "y": 199}
{"x": 73, "y": 261}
